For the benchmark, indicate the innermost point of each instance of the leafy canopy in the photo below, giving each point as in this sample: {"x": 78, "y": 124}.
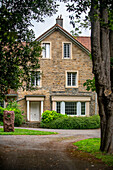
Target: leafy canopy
{"x": 19, "y": 53}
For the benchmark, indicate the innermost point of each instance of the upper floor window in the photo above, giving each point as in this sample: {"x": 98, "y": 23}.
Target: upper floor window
{"x": 71, "y": 79}
{"x": 35, "y": 78}
{"x": 46, "y": 50}
{"x": 66, "y": 50}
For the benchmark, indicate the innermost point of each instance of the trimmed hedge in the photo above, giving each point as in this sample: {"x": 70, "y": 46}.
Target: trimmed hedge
{"x": 91, "y": 122}
{"x": 18, "y": 113}
{"x": 49, "y": 116}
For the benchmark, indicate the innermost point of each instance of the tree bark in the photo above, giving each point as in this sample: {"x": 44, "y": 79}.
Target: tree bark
{"x": 100, "y": 43}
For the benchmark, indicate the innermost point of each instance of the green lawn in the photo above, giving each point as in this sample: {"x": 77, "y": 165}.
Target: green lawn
{"x": 92, "y": 146}
{"x": 26, "y": 132}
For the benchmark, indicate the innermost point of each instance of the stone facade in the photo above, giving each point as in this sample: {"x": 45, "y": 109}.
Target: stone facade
{"x": 53, "y": 76}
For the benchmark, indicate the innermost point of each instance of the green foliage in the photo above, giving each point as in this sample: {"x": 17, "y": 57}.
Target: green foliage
{"x": 1, "y": 123}
{"x": 1, "y": 113}
{"x": 25, "y": 132}
{"x": 19, "y": 53}
{"x": 19, "y": 119}
{"x": 91, "y": 122}
{"x": 49, "y": 116}
{"x": 90, "y": 84}
{"x": 93, "y": 146}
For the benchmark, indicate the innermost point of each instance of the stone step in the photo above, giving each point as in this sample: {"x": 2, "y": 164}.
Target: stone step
{"x": 31, "y": 124}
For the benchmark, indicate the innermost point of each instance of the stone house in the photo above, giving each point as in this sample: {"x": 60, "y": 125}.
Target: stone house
{"x": 64, "y": 67}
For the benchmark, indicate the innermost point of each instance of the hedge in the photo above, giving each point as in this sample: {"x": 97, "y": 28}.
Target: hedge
{"x": 91, "y": 122}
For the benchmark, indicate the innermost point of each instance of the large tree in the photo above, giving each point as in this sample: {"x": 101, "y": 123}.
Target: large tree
{"x": 101, "y": 19}
{"x": 18, "y": 51}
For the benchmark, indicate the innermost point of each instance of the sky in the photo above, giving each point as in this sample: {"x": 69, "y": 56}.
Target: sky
{"x": 40, "y": 27}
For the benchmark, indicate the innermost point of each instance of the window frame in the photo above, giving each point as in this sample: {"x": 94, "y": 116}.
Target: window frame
{"x": 71, "y": 86}
{"x": 81, "y": 108}
{"x": 78, "y": 109}
{"x": 46, "y": 42}
{"x": 40, "y": 79}
{"x": 74, "y": 109}
{"x": 58, "y": 106}
{"x": 70, "y": 57}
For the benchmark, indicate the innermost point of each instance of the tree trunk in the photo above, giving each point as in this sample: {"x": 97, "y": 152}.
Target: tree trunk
{"x": 100, "y": 43}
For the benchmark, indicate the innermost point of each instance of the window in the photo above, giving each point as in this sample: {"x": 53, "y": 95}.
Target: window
{"x": 71, "y": 79}
{"x": 67, "y": 50}
{"x": 2, "y": 104}
{"x": 46, "y": 50}
{"x": 35, "y": 78}
{"x": 71, "y": 108}
{"x": 58, "y": 107}
{"x": 82, "y": 108}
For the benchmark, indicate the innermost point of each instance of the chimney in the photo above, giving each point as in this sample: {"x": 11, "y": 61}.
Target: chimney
{"x": 59, "y": 21}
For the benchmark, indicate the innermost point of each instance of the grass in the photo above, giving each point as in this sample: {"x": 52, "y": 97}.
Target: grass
{"x": 25, "y": 132}
{"x": 93, "y": 146}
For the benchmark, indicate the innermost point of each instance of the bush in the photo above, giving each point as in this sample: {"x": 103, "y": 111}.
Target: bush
{"x": 18, "y": 113}
{"x": 49, "y": 116}
{"x": 1, "y": 113}
{"x": 91, "y": 122}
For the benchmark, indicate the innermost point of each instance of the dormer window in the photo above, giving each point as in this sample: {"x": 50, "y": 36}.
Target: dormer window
{"x": 67, "y": 50}
{"x": 46, "y": 50}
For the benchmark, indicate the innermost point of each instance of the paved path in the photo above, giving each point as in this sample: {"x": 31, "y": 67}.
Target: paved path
{"x": 45, "y": 152}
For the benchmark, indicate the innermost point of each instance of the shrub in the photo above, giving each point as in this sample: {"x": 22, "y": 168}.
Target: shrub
{"x": 18, "y": 113}
{"x": 49, "y": 116}
{"x": 91, "y": 122}
{"x": 1, "y": 113}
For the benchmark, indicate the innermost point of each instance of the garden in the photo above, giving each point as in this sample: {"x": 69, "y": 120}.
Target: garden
{"x": 54, "y": 120}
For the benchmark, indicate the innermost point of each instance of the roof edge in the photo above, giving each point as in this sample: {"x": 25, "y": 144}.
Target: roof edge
{"x": 67, "y": 34}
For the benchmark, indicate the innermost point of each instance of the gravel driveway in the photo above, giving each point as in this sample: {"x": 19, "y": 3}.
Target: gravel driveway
{"x": 48, "y": 152}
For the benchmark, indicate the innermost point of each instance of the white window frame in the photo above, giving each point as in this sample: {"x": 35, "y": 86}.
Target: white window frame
{"x": 46, "y": 42}
{"x": 39, "y": 81}
{"x": 70, "y": 50}
{"x": 62, "y": 105}
{"x": 71, "y": 71}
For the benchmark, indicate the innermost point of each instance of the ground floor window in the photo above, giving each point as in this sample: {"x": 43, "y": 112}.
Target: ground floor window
{"x": 83, "y": 108}
{"x": 58, "y": 107}
{"x": 71, "y": 108}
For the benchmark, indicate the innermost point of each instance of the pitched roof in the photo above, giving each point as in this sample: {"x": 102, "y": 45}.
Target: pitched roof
{"x": 86, "y": 41}
{"x": 76, "y": 41}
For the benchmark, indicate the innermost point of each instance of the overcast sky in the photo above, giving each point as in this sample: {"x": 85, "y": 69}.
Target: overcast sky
{"x": 39, "y": 28}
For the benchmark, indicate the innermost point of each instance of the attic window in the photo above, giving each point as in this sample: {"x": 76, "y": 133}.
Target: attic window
{"x": 67, "y": 50}
{"x": 46, "y": 50}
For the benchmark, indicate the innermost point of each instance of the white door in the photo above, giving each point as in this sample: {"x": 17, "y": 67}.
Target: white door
{"x": 35, "y": 111}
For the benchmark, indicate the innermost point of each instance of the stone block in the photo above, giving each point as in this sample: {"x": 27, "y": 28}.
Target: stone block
{"x": 8, "y": 120}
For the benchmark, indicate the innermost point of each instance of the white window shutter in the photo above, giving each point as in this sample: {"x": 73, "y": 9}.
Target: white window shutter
{"x": 63, "y": 108}
{"x": 78, "y": 108}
